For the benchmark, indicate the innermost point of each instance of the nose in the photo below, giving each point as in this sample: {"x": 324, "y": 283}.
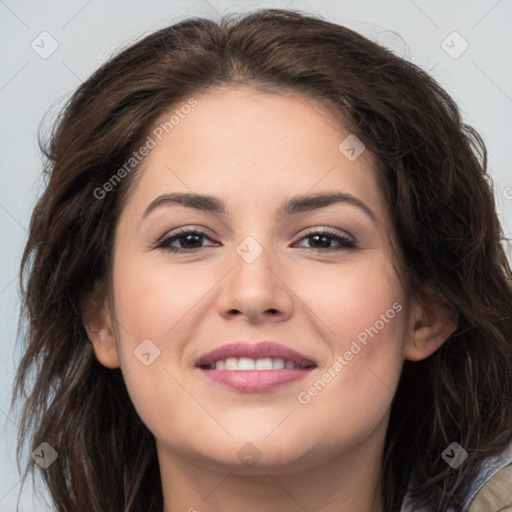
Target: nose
{"x": 257, "y": 291}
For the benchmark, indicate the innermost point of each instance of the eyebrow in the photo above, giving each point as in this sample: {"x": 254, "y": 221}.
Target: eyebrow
{"x": 296, "y": 204}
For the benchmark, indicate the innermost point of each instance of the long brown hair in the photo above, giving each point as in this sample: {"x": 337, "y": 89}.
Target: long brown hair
{"x": 432, "y": 168}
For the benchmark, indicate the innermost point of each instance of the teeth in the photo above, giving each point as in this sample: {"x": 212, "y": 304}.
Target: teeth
{"x": 278, "y": 364}
{"x": 246, "y": 363}
{"x": 263, "y": 364}
{"x": 231, "y": 363}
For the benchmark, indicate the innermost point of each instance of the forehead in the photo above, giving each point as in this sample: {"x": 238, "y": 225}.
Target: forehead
{"x": 253, "y": 148}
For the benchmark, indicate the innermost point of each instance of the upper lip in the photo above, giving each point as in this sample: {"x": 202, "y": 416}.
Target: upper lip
{"x": 260, "y": 350}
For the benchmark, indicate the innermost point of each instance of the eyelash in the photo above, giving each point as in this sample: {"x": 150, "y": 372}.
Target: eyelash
{"x": 346, "y": 243}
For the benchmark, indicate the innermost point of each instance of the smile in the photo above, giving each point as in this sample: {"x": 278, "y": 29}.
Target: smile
{"x": 254, "y": 367}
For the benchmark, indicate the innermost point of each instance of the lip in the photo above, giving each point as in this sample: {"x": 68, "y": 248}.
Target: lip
{"x": 255, "y": 380}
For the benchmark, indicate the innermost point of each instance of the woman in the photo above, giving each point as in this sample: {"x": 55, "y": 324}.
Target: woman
{"x": 266, "y": 274}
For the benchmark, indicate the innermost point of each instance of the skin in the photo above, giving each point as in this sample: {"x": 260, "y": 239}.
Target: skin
{"x": 255, "y": 150}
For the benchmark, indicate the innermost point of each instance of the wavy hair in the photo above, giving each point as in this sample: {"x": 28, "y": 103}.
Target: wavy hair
{"x": 432, "y": 169}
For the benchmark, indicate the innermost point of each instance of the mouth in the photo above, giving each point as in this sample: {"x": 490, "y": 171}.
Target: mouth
{"x": 253, "y": 367}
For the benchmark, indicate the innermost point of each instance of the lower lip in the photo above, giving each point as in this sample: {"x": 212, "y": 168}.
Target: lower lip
{"x": 254, "y": 380}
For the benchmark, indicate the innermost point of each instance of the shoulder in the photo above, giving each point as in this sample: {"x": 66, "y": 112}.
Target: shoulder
{"x": 491, "y": 489}
{"x": 496, "y": 494}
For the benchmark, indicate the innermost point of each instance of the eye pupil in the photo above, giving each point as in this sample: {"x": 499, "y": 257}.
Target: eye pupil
{"x": 187, "y": 239}
{"x": 317, "y": 237}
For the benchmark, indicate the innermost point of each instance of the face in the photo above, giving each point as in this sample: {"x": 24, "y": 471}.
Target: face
{"x": 317, "y": 279}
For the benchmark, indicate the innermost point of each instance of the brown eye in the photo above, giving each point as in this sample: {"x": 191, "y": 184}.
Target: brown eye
{"x": 321, "y": 240}
{"x": 189, "y": 240}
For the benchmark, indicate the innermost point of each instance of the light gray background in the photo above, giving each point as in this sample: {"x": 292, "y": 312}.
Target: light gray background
{"x": 87, "y": 32}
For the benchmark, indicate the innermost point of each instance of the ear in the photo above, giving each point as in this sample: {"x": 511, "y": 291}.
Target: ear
{"x": 432, "y": 325}
{"x": 97, "y": 321}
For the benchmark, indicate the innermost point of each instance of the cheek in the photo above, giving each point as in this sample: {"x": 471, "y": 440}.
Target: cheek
{"x": 366, "y": 313}
{"x": 151, "y": 300}
{"x": 357, "y": 299}
{"x": 154, "y": 307}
